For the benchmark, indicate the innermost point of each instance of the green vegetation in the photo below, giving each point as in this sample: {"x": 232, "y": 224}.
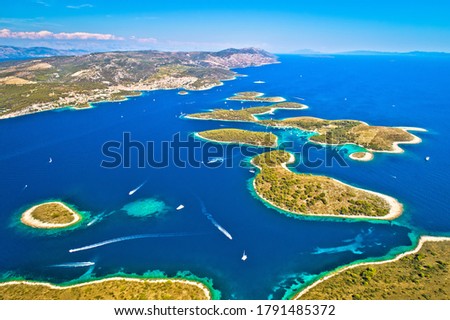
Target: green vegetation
{"x": 244, "y": 114}
{"x": 260, "y": 139}
{"x": 110, "y": 289}
{"x": 422, "y": 275}
{"x": 254, "y": 96}
{"x": 222, "y": 114}
{"x": 52, "y": 212}
{"x": 376, "y": 138}
{"x": 359, "y": 155}
{"x": 28, "y": 86}
{"x": 50, "y": 215}
{"x": 311, "y": 194}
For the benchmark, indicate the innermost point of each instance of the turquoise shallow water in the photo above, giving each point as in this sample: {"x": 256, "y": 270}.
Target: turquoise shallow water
{"x": 283, "y": 251}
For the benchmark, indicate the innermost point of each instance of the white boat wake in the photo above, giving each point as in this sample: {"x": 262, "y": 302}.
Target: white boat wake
{"x": 73, "y": 264}
{"x": 214, "y": 222}
{"x": 137, "y": 188}
{"x": 216, "y": 159}
{"x": 138, "y": 236}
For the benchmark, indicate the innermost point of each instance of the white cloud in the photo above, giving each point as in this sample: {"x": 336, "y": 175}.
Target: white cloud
{"x": 33, "y": 35}
{"x": 80, "y": 6}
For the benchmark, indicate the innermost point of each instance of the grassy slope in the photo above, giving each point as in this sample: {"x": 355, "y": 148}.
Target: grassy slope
{"x": 254, "y": 96}
{"x": 244, "y": 114}
{"x": 267, "y": 139}
{"x": 377, "y": 138}
{"x": 107, "y": 290}
{"x": 310, "y": 194}
{"x": 52, "y": 213}
{"x": 77, "y": 80}
{"x": 423, "y": 275}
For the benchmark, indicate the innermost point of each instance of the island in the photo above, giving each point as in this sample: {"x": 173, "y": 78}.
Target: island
{"x": 117, "y": 288}
{"x": 238, "y": 136}
{"x": 255, "y": 97}
{"x": 28, "y": 86}
{"x": 244, "y": 114}
{"x": 51, "y": 215}
{"x": 338, "y": 132}
{"x": 361, "y": 156}
{"x": 416, "y": 275}
{"x": 314, "y": 195}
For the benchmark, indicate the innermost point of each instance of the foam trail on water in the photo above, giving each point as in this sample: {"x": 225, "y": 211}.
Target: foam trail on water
{"x": 137, "y": 188}
{"x": 214, "y": 222}
{"x": 138, "y": 236}
{"x": 73, "y": 264}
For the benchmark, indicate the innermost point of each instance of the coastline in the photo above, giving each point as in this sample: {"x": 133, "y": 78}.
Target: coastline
{"x": 198, "y": 284}
{"x": 43, "y": 107}
{"x": 395, "y": 144}
{"x": 258, "y": 97}
{"x": 337, "y": 271}
{"x": 254, "y": 115}
{"x": 28, "y": 220}
{"x": 275, "y": 100}
{"x": 48, "y": 107}
{"x": 395, "y": 207}
{"x": 273, "y": 109}
{"x": 197, "y": 135}
{"x": 367, "y": 156}
{"x": 207, "y": 119}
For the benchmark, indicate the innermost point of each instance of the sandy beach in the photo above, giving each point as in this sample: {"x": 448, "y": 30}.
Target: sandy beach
{"x": 29, "y": 220}
{"x": 422, "y": 240}
{"x": 198, "y": 284}
{"x": 395, "y": 145}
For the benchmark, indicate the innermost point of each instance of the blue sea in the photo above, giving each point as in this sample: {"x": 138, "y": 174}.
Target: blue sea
{"x": 284, "y": 252}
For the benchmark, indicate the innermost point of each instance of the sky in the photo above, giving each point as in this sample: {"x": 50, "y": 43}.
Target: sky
{"x": 277, "y": 26}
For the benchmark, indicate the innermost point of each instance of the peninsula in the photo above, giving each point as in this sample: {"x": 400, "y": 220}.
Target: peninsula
{"x": 28, "y": 86}
{"x": 50, "y": 215}
{"x": 415, "y": 275}
{"x": 117, "y": 288}
{"x": 255, "y": 97}
{"x": 238, "y": 136}
{"x": 244, "y": 114}
{"x": 337, "y": 132}
{"x": 314, "y": 195}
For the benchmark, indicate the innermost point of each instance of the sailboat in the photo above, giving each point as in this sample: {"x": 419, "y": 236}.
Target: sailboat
{"x": 50, "y": 160}
{"x": 180, "y": 207}
{"x": 244, "y": 256}
{"x": 427, "y": 158}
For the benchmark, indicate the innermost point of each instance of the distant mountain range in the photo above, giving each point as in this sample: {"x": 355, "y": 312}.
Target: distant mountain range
{"x": 373, "y": 53}
{"x": 15, "y": 53}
